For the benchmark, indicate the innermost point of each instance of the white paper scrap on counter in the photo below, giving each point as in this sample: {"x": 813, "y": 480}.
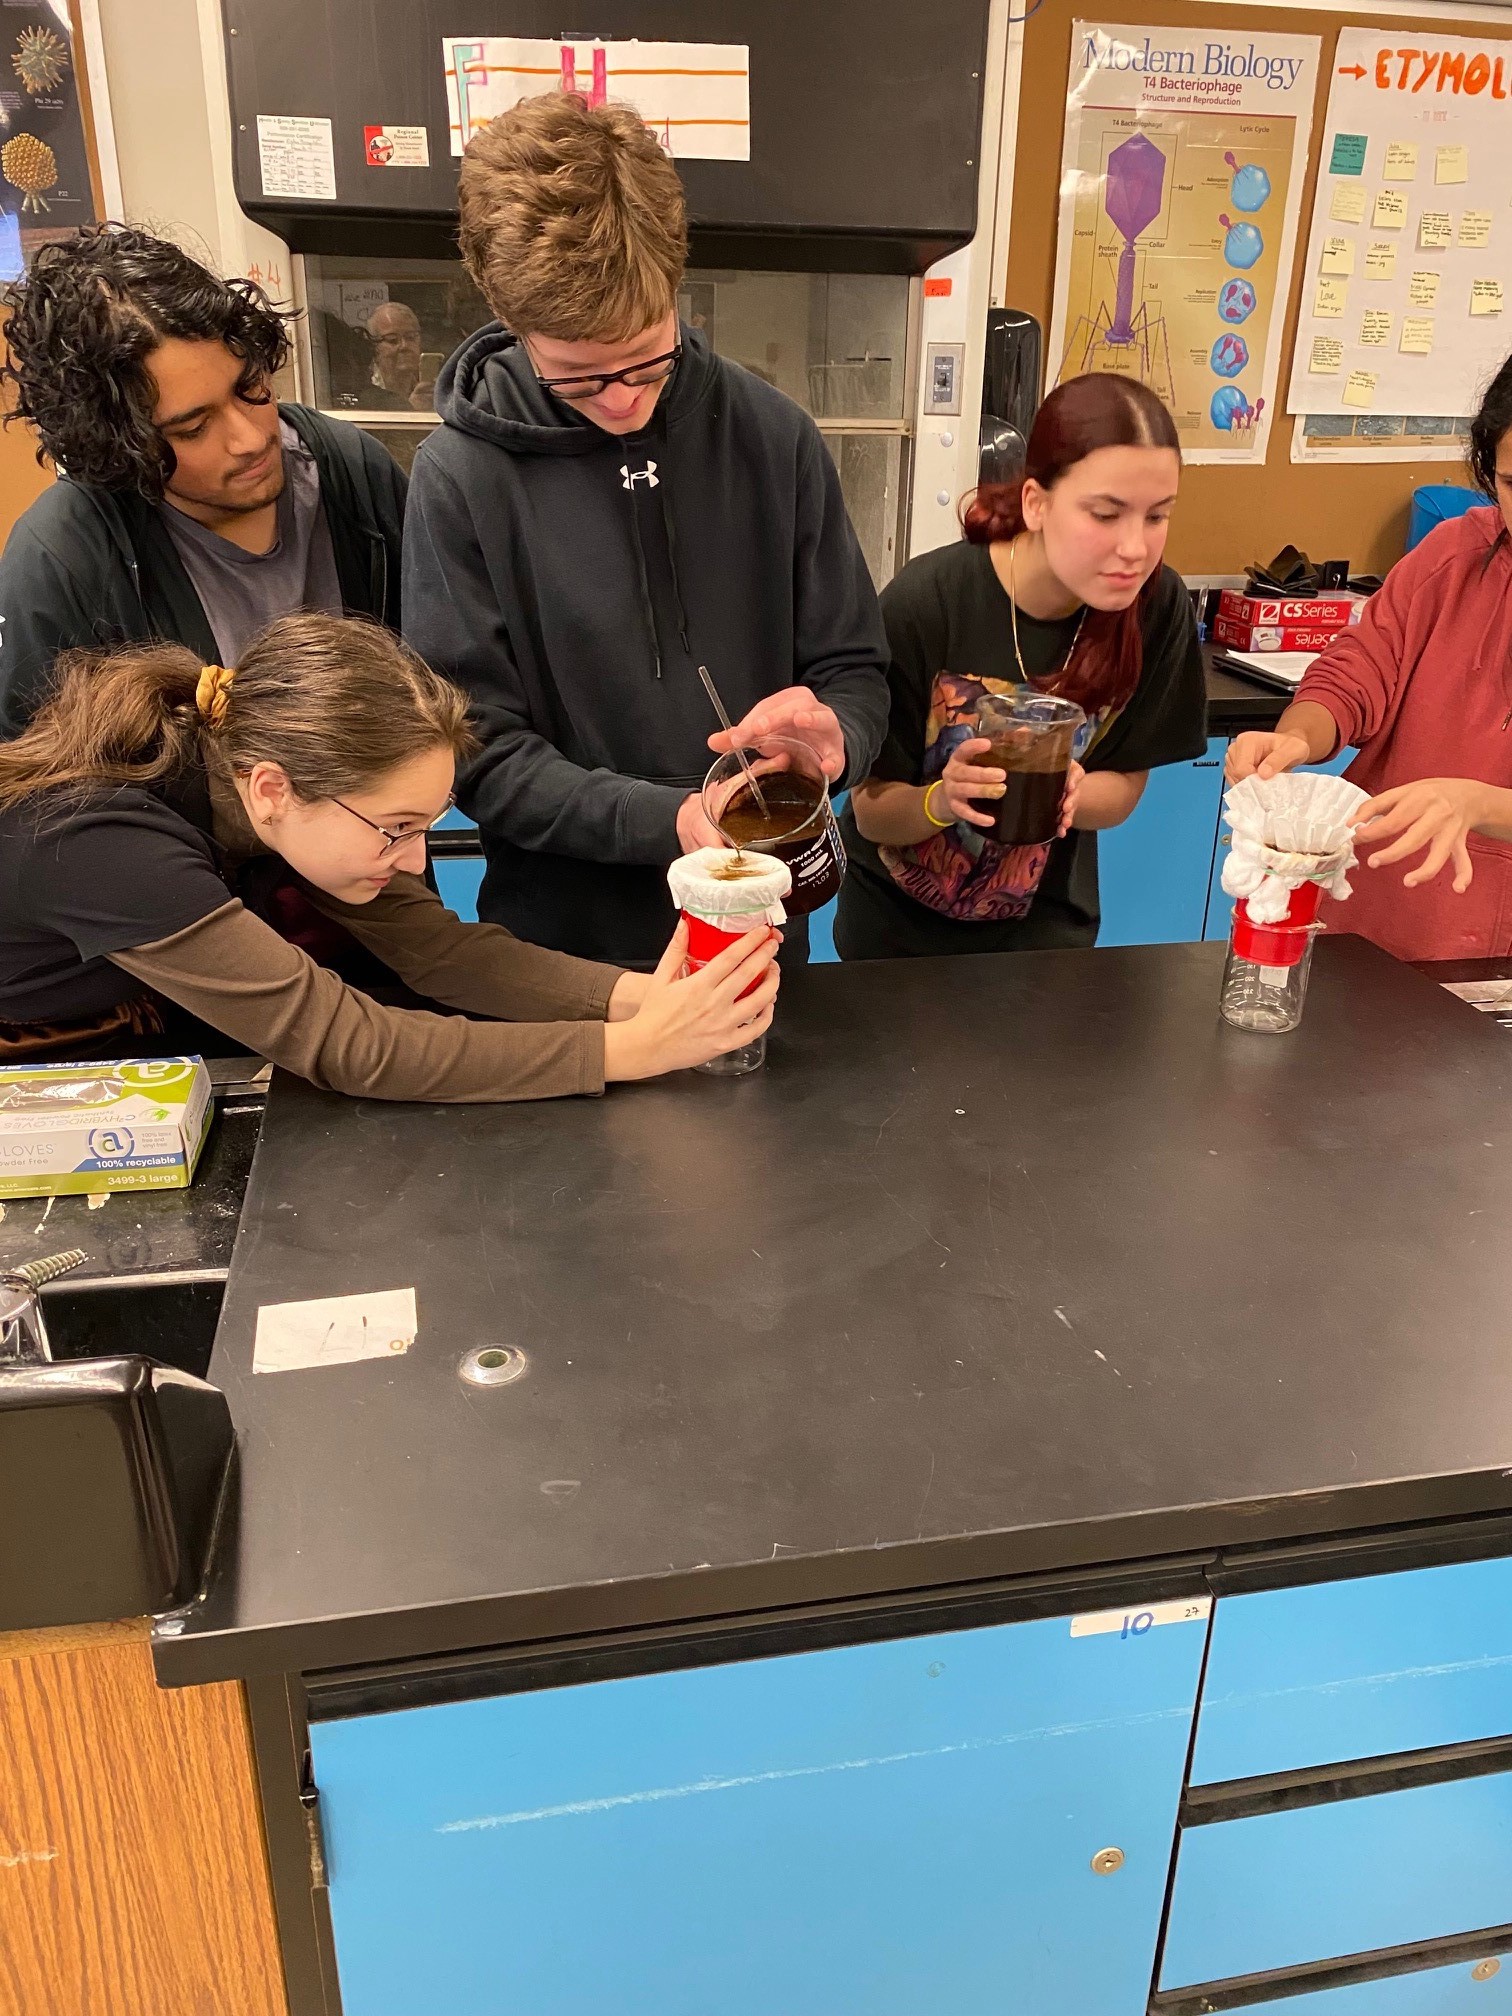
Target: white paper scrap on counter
{"x": 297, "y": 158}
{"x": 336, "y": 1330}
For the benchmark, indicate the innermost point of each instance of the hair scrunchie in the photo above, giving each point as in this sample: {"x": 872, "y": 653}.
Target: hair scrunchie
{"x": 212, "y": 695}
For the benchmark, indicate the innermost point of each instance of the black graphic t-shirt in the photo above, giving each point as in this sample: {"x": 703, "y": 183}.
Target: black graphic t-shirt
{"x": 949, "y": 634}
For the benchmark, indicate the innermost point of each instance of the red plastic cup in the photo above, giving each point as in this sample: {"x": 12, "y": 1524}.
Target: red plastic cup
{"x": 1285, "y": 942}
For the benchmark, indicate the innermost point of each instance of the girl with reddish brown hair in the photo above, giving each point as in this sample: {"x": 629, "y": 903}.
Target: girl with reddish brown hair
{"x": 1058, "y": 587}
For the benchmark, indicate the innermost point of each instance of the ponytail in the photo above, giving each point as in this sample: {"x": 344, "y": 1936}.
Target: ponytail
{"x": 115, "y": 717}
{"x": 334, "y": 701}
{"x": 1079, "y": 417}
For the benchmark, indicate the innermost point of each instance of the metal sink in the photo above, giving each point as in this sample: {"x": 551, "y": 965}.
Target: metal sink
{"x": 112, "y": 1472}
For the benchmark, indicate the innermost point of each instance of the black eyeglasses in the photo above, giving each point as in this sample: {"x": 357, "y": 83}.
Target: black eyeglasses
{"x": 394, "y": 841}
{"x": 652, "y": 372}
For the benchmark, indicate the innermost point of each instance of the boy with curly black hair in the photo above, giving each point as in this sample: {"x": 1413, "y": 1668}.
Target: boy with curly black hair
{"x": 194, "y": 509}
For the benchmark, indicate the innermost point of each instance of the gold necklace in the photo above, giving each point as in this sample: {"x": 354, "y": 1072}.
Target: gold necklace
{"x": 1013, "y": 617}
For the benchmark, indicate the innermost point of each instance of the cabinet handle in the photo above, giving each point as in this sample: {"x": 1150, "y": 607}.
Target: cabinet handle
{"x": 1107, "y": 1861}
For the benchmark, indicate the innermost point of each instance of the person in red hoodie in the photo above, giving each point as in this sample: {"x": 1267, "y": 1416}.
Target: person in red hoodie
{"x": 1422, "y": 687}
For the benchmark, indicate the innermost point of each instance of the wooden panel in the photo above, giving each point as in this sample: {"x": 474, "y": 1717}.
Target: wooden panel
{"x": 1226, "y": 516}
{"x": 21, "y": 480}
{"x": 133, "y": 1878}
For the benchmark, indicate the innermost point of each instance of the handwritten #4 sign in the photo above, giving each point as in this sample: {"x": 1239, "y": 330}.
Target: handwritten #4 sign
{"x": 1421, "y": 126}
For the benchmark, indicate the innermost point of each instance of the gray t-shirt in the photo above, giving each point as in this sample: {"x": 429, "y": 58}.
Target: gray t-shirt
{"x": 244, "y": 591}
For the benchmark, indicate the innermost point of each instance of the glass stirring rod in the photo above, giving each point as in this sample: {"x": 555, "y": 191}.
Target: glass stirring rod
{"x": 729, "y": 728}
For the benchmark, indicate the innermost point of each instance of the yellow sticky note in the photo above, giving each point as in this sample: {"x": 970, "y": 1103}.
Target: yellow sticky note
{"x": 1452, "y": 164}
{"x": 1359, "y": 388}
{"x": 1417, "y": 335}
{"x": 1401, "y": 160}
{"x": 1326, "y": 357}
{"x": 1485, "y": 297}
{"x": 1434, "y": 231}
{"x": 1422, "y": 290}
{"x": 1380, "y": 261}
{"x": 1390, "y": 212}
{"x": 1338, "y": 256}
{"x": 1347, "y": 205}
{"x": 1475, "y": 230}
{"x": 1375, "y": 328}
{"x": 1332, "y": 299}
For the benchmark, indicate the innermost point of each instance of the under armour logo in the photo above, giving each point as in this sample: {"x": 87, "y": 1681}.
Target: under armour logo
{"x": 630, "y": 477}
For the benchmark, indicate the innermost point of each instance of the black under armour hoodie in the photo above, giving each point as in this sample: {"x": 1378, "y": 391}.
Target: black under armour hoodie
{"x": 574, "y": 580}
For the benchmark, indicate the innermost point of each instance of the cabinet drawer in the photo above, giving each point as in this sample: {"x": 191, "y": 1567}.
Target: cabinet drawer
{"x": 1153, "y": 870}
{"x": 870, "y": 1830}
{"x": 1437, "y": 1991}
{"x": 1321, "y": 1882}
{"x": 1323, "y": 1675}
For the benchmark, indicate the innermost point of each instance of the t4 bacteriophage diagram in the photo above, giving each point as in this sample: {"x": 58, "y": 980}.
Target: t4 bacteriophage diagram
{"x": 1122, "y": 337}
{"x": 1174, "y": 268}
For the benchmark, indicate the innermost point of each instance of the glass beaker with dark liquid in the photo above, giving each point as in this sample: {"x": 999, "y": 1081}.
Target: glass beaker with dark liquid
{"x": 795, "y": 822}
{"x": 1033, "y": 737}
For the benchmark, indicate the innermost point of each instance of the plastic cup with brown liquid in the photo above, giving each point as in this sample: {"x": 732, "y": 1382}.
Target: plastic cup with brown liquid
{"x": 1033, "y": 738}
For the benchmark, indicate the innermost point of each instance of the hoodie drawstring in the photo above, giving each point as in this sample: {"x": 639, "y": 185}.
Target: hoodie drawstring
{"x": 671, "y": 531}
{"x": 644, "y": 580}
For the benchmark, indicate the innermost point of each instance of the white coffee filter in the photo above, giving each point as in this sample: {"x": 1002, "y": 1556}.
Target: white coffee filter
{"x": 740, "y": 902}
{"x": 1289, "y": 830}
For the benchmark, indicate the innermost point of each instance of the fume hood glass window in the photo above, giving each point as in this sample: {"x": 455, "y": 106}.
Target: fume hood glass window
{"x": 381, "y": 330}
{"x": 873, "y": 469}
{"x": 837, "y": 343}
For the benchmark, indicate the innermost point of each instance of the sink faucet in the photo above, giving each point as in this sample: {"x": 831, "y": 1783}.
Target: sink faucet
{"x": 23, "y": 1330}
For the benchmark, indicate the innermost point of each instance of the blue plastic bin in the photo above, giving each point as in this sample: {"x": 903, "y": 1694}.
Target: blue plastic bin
{"x": 1434, "y": 504}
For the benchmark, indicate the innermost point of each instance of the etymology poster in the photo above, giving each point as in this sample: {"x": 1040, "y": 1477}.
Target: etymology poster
{"x": 1183, "y": 159}
{"x": 1407, "y": 290}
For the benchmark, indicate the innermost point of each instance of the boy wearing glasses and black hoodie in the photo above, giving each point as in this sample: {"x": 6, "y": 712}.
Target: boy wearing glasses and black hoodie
{"x": 607, "y": 507}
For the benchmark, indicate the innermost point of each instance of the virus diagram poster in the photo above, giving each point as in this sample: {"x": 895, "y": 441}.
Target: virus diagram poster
{"x": 1183, "y": 149}
{"x": 1407, "y": 289}
{"x": 45, "y": 189}
{"x": 694, "y": 96}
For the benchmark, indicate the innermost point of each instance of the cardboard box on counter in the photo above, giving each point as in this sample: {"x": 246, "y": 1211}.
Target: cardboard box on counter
{"x": 1275, "y": 636}
{"x": 67, "y": 1129}
{"x": 1318, "y": 612}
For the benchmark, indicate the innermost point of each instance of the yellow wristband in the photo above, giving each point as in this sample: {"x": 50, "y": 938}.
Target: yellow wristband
{"x": 941, "y": 824}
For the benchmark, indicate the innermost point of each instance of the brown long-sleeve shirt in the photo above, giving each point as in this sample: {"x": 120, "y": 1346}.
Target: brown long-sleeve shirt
{"x": 236, "y": 973}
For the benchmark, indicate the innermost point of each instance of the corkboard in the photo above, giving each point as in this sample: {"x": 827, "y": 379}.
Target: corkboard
{"x": 1226, "y": 516}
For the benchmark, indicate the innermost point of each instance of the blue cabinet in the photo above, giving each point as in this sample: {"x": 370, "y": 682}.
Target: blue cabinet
{"x": 1303, "y": 1677}
{"x": 872, "y": 1830}
{"x": 1160, "y": 872}
{"x": 1438, "y": 1991}
{"x": 1153, "y": 871}
{"x": 1322, "y": 1882}
{"x": 459, "y": 878}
